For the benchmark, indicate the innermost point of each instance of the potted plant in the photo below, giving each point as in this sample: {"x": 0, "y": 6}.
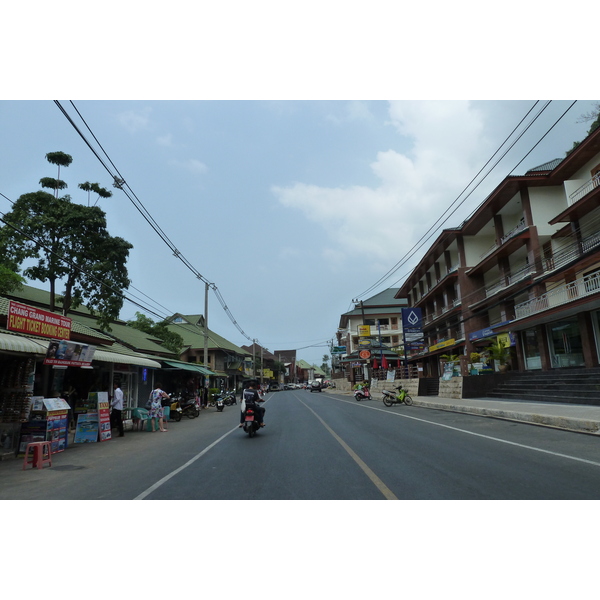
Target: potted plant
{"x": 499, "y": 353}
{"x": 476, "y": 360}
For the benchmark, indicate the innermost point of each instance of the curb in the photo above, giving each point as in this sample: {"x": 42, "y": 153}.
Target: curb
{"x": 566, "y": 423}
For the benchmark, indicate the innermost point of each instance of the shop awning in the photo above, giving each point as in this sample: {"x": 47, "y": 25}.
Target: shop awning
{"x": 125, "y": 359}
{"x": 17, "y": 343}
{"x": 188, "y": 367}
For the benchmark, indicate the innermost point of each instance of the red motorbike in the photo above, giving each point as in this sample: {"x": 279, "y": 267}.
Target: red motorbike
{"x": 362, "y": 394}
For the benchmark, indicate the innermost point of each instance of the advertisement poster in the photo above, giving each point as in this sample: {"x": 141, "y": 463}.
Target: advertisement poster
{"x": 69, "y": 354}
{"x": 87, "y": 428}
{"x": 56, "y": 431}
{"x": 104, "y": 415}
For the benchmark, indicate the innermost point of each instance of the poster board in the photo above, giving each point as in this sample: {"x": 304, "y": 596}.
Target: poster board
{"x": 87, "y": 428}
{"x": 56, "y": 430}
{"x": 103, "y": 416}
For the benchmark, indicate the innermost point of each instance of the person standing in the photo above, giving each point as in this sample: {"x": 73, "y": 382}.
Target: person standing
{"x": 156, "y": 407}
{"x": 116, "y": 414}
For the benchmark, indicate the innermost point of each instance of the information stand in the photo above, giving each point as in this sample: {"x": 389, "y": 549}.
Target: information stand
{"x": 58, "y": 422}
{"x": 48, "y": 423}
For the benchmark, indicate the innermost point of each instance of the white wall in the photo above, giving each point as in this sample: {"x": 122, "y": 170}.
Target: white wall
{"x": 546, "y": 203}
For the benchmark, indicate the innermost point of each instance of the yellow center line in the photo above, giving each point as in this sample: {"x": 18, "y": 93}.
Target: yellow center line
{"x": 384, "y": 489}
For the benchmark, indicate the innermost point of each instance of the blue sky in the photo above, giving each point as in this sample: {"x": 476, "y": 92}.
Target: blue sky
{"x": 292, "y": 208}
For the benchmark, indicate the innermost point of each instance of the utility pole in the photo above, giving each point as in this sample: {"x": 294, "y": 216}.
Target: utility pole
{"x": 206, "y": 324}
{"x": 261, "y": 367}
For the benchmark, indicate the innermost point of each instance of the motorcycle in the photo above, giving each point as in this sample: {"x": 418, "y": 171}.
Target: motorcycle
{"x": 229, "y": 399}
{"x": 220, "y": 403}
{"x": 402, "y": 397}
{"x": 362, "y": 394}
{"x": 176, "y": 411}
{"x": 189, "y": 408}
{"x": 251, "y": 423}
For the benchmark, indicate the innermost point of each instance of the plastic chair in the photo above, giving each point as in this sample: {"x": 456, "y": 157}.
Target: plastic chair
{"x": 41, "y": 454}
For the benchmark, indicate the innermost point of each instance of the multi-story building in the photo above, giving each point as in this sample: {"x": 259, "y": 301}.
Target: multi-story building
{"x": 525, "y": 266}
{"x": 382, "y": 313}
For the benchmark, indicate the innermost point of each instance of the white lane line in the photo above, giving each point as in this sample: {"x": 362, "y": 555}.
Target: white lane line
{"x": 487, "y": 437}
{"x": 166, "y": 478}
{"x": 387, "y": 493}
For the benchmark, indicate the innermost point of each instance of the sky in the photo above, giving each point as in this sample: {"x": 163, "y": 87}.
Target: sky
{"x": 291, "y": 208}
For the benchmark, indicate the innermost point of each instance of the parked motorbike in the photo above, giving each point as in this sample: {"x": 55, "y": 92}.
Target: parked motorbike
{"x": 229, "y": 399}
{"x": 176, "y": 411}
{"x": 189, "y": 408}
{"x": 362, "y": 394}
{"x": 402, "y": 397}
{"x": 220, "y": 403}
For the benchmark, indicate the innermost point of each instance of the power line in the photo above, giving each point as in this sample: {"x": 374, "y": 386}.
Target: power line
{"x": 419, "y": 244}
{"x": 120, "y": 183}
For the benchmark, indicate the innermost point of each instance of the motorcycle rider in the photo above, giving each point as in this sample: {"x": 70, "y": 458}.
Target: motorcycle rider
{"x": 252, "y": 397}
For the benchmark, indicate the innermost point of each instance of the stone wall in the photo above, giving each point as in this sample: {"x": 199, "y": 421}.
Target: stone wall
{"x": 452, "y": 388}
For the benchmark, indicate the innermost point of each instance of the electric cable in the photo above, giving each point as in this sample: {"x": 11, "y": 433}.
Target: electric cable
{"x": 120, "y": 183}
{"x": 422, "y": 240}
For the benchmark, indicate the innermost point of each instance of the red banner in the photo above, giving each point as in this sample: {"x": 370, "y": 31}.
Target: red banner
{"x": 27, "y": 319}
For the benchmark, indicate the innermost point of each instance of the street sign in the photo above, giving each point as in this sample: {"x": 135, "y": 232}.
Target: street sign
{"x": 338, "y": 350}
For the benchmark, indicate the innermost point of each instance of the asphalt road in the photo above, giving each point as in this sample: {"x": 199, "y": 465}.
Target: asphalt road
{"x": 322, "y": 446}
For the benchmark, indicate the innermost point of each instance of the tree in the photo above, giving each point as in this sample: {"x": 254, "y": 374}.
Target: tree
{"x": 172, "y": 341}
{"x": 61, "y": 160}
{"x": 70, "y": 243}
{"x": 10, "y": 280}
{"x": 325, "y": 365}
{"x": 94, "y": 187}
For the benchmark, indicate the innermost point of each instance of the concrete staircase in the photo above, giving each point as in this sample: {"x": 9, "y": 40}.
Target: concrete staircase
{"x": 573, "y": 386}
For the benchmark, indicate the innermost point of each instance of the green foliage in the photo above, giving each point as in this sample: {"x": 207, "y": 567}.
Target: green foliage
{"x": 10, "y": 281}
{"x": 67, "y": 242}
{"x": 59, "y": 158}
{"x": 53, "y": 184}
{"x": 499, "y": 352}
{"x": 172, "y": 341}
{"x": 450, "y": 358}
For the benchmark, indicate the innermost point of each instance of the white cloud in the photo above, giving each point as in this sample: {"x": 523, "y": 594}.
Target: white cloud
{"x": 414, "y": 190}
{"x": 135, "y": 121}
{"x": 352, "y": 111}
{"x": 191, "y": 164}
{"x": 165, "y": 140}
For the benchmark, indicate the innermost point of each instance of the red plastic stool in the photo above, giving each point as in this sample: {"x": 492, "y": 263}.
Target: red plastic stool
{"x": 37, "y": 459}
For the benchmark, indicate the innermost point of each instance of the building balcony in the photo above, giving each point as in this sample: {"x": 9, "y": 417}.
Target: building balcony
{"x": 563, "y": 294}
{"x": 585, "y": 189}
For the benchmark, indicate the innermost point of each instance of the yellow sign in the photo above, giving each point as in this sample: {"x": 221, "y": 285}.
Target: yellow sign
{"x": 442, "y": 345}
{"x": 364, "y": 330}
{"x": 503, "y": 338}
{"x": 268, "y": 373}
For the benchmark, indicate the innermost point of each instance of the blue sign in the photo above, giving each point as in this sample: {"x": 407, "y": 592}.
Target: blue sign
{"x": 412, "y": 320}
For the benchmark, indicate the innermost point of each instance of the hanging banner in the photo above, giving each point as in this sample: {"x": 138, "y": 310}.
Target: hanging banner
{"x": 35, "y": 321}
{"x": 69, "y": 354}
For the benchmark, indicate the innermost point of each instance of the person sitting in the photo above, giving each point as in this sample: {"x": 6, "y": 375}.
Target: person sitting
{"x": 251, "y": 399}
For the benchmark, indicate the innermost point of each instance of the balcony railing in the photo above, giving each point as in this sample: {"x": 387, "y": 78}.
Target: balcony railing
{"x": 516, "y": 230}
{"x": 518, "y": 275}
{"x": 586, "y": 188}
{"x": 561, "y": 295}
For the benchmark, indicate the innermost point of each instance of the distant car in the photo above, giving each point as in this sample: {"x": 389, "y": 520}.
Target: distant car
{"x": 274, "y": 387}
{"x": 315, "y": 386}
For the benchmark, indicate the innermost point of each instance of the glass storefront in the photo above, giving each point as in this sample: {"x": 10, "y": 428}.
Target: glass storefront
{"x": 566, "y": 348}
{"x": 531, "y": 350}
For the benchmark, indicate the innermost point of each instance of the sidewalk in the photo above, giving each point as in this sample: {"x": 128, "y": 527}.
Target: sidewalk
{"x": 571, "y": 417}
